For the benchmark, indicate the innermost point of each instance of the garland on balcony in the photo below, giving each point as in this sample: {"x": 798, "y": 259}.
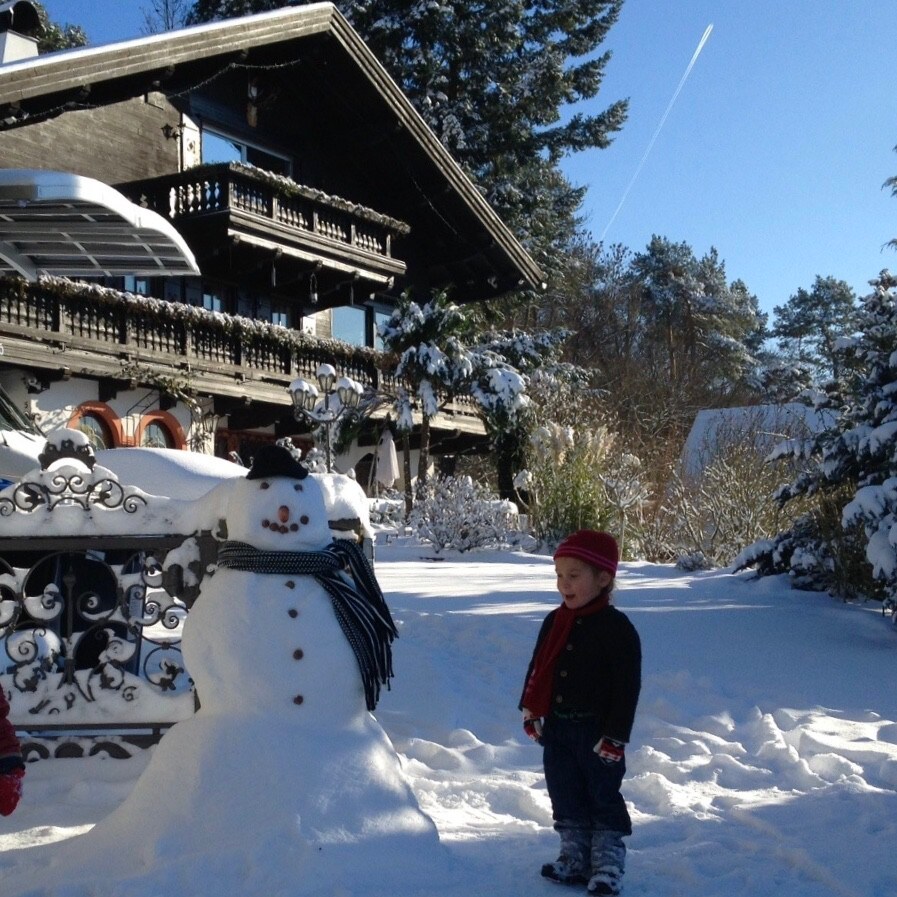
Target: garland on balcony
{"x": 289, "y": 187}
{"x": 248, "y": 330}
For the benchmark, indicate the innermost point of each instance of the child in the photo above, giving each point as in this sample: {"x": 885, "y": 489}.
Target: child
{"x": 579, "y": 701}
{"x": 12, "y": 769}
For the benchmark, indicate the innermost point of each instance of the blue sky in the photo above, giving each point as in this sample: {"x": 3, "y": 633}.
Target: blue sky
{"x": 774, "y": 151}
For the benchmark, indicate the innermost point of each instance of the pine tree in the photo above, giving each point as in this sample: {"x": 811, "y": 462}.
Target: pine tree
{"x": 811, "y": 322}
{"x": 493, "y": 79}
{"x": 697, "y": 331}
{"x": 851, "y": 466}
{"x": 164, "y": 15}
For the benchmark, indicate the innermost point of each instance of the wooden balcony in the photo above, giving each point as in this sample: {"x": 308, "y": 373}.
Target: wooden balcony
{"x": 214, "y": 205}
{"x": 68, "y": 329}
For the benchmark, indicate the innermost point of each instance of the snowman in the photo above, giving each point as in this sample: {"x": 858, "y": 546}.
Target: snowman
{"x": 320, "y": 641}
{"x": 293, "y": 784}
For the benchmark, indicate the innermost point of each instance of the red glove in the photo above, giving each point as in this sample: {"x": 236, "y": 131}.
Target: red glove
{"x": 609, "y": 749}
{"x": 532, "y": 725}
{"x": 10, "y": 790}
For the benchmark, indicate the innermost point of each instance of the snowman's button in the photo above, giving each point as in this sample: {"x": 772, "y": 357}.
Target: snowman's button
{"x": 298, "y": 654}
{"x": 298, "y": 699}
{"x": 293, "y": 612}
{"x": 290, "y": 584}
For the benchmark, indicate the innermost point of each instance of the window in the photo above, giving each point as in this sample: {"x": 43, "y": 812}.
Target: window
{"x": 262, "y": 307}
{"x": 156, "y": 435}
{"x": 211, "y": 297}
{"x": 380, "y": 317}
{"x": 11, "y": 418}
{"x": 138, "y": 285}
{"x": 96, "y": 430}
{"x": 221, "y": 148}
{"x": 159, "y": 430}
{"x": 349, "y": 324}
{"x": 212, "y": 301}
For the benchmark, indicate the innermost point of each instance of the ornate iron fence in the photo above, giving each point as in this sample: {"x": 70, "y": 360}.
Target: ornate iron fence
{"x": 92, "y": 602}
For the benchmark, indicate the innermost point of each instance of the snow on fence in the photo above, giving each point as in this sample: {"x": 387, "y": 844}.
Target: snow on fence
{"x": 96, "y": 579}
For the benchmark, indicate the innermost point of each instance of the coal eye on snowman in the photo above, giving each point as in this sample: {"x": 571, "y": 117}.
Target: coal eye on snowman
{"x": 264, "y": 485}
{"x": 303, "y": 519}
{"x": 298, "y": 487}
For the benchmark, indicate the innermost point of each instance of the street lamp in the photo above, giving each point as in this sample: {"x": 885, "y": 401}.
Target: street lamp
{"x": 323, "y": 405}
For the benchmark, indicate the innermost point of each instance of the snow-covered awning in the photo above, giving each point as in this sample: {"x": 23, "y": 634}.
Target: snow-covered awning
{"x": 53, "y": 222}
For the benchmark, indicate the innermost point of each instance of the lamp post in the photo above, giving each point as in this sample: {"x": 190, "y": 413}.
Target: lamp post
{"x": 327, "y": 403}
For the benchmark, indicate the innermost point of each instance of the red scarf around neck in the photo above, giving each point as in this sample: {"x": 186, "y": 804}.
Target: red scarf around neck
{"x": 537, "y": 694}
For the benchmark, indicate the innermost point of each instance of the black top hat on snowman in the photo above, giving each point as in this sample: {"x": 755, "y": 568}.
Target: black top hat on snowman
{"x": 276, "y": 461}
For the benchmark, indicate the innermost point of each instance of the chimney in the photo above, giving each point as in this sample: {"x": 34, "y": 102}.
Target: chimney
{"x": 19, "y": 27}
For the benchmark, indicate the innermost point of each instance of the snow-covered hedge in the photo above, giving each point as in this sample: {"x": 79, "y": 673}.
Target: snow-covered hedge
{"x": 459, "y": 514}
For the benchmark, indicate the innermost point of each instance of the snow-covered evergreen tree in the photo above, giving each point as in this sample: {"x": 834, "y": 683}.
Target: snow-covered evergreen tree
{"x": 427, "y": 348}
{"x": 503, "y": 364}
{"x": 853, "y": 464}
{"x": 54, "y": 36}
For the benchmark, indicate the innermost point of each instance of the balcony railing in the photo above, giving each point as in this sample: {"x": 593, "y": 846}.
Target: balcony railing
{"x": 119, "y": 329}
{"x": 300, "y": 213}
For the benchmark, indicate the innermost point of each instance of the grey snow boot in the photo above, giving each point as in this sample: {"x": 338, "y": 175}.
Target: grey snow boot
{"x": 572, "y": 866}
{"x": 608, "y": 857}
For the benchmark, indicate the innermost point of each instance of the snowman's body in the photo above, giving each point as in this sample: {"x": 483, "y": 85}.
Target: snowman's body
{"x": 294, "y": 658}
{"x": 291, "y": 780}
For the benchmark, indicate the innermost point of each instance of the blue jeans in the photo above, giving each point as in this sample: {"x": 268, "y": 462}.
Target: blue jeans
{"x": 584, "y": 790}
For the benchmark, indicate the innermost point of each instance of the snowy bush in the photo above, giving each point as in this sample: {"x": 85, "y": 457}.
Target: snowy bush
{"x": 725, "y": 505}
{"x": 693, "y": 561}
{"x": 388, "y": 509}
{"x": 562, "y": 483}
{"x": 817, "y": 552}
{"x": 457, "y": 513}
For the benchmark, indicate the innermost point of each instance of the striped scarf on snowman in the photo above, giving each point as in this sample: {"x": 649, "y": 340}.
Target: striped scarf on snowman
{"x": 345, "y": 573}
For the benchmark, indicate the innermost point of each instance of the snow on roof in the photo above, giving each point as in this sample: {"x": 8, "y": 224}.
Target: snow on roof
{"x": 766, "y": 425}
{"x": 147, "y": 40}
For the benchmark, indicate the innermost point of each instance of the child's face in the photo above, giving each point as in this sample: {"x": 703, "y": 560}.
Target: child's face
{"x": 579, "y": 582}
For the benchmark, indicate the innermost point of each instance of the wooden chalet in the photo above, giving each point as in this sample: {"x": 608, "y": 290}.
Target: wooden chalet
{"x": 300, "y": 180}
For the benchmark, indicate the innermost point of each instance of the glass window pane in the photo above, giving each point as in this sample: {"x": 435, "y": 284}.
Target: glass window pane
{"x": 211, "y": 301}
{"x": 347, "y": 324}
{"x": 96, "y": 431}
{"x": 155, "y": 435}
{"x": 380, "y": 317}
{"x": 216, "y": 148}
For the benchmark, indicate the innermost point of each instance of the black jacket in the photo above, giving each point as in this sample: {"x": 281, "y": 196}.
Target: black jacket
{"x": 598, "y": 672}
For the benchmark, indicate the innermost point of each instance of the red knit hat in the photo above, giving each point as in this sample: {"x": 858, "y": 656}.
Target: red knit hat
{"x": 598, "y": 549}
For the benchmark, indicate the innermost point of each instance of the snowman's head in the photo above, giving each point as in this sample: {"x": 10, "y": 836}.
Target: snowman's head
{"x": 278, "y": 507}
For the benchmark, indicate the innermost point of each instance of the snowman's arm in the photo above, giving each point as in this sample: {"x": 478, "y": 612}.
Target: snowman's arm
{"x": 206, "y": 512}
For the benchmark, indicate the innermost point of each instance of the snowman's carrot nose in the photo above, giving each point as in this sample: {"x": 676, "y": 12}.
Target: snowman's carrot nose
{"x": 283, "y": 513}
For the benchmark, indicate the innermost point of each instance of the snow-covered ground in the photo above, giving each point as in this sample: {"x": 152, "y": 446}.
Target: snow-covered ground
{"x": 763, "y": 760}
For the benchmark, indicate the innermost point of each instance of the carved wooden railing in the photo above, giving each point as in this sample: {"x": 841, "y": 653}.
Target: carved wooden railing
{"x": 125, "y": 328}
{"x": 244, "y": 188}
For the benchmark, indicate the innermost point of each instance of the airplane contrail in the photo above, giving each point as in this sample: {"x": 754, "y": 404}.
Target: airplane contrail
{"x": 663, "y": 118}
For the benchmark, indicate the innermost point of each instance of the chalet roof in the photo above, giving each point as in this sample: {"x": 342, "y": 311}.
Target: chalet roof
{"x": 467, "y": 236}
{"x": 53, "y": 222}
